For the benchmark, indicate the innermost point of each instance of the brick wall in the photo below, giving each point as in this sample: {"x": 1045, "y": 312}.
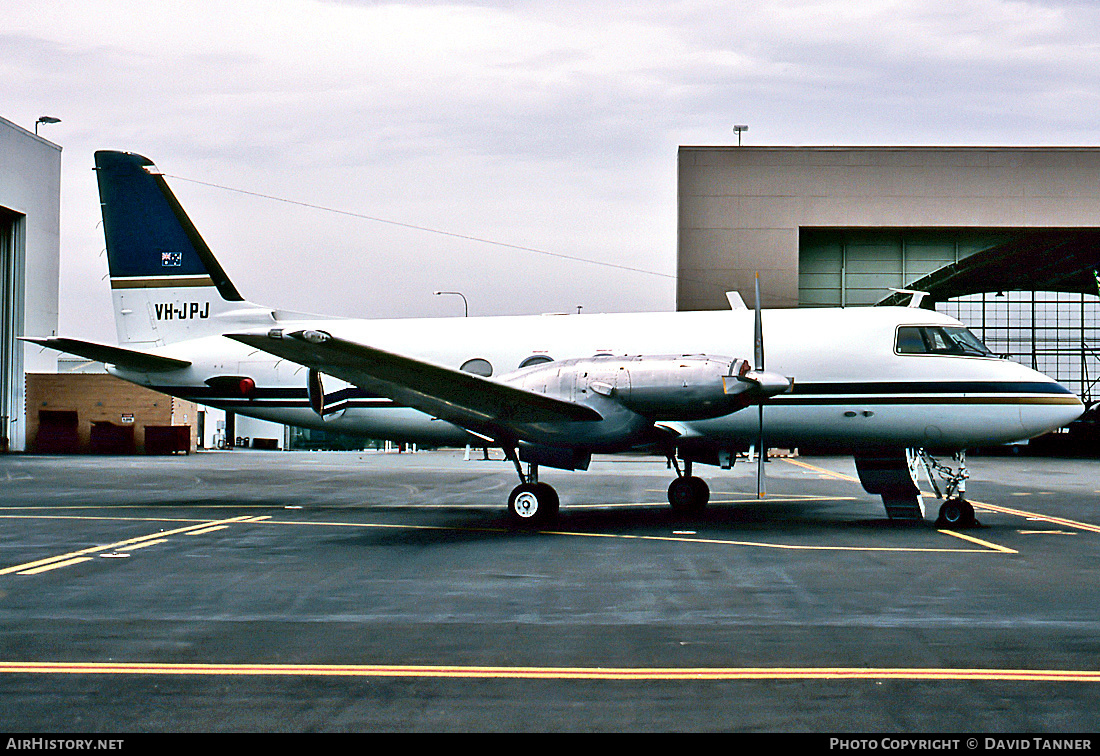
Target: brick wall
{"x": 104, "y": 398}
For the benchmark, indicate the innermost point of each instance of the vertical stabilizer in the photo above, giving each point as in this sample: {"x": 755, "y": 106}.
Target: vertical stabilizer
{"x": 166, "y": 284}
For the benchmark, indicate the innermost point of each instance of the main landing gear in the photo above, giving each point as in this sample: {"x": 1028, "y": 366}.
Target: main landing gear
{"x": 531, "y": 504}
{"x": 687, "y": 494}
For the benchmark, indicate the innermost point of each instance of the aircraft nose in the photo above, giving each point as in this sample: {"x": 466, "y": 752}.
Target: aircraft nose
{"x": 1050, "y": 412}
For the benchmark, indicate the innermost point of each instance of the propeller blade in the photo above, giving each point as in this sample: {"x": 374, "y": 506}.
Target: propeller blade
{"x": 758, "y": 349}
{"x": 760, "y": 453}
{"x": 758, "y": 334}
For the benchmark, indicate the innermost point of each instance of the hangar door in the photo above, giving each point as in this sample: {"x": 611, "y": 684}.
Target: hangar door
{"x": 11, "y": 325}
{"x": 858, "y": 266}
{"x": 1057, "y": 333}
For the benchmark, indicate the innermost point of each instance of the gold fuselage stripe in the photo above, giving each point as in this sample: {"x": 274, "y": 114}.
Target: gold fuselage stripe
{"x": 160, "y": 282}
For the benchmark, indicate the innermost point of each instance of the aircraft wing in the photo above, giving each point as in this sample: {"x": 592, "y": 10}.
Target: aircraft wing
{"x": 465, "y": 399}
{"x": 112, "y": 355}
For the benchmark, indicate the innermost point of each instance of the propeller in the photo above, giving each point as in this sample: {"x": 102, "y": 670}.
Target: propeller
{"x": 758, "y": 363}
{"x": 763, "y": 385}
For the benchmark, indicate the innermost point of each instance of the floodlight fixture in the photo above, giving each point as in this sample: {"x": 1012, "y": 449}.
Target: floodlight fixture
{"x": 465, "y": 304}
{"x": 45, "y": 119}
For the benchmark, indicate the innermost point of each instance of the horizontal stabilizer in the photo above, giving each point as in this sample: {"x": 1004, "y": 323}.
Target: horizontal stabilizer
{"x": 465, "y": 399}
{"x": 111, "y": 355}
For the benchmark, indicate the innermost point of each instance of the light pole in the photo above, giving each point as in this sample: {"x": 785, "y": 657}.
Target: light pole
{"x": 45, "y": 119}
{"x": 465, "y": 304}
{"x": 738, "y": 130}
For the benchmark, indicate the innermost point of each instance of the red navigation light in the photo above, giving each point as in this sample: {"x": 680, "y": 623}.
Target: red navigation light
{"x": 246, "y": 386}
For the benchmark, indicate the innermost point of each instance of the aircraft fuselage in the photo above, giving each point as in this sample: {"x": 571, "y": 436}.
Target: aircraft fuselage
{"x": 851, "y": 387}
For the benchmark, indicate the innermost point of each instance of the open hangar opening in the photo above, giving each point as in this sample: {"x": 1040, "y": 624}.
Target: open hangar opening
{"x": 1006, "y": 239}
{"x": 30, "y": 211}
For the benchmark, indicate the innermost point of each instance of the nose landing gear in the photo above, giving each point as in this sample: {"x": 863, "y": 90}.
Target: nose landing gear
{"x": 956, "y": 511}
{"x": 892, "y": 473}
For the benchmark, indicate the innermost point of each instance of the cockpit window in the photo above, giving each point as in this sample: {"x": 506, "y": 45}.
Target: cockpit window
{"x": 940, "y": 340}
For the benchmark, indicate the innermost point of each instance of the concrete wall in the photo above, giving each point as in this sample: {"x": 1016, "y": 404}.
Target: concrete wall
{"x": 741, "y": 208}
{"x": 30, "y": 206}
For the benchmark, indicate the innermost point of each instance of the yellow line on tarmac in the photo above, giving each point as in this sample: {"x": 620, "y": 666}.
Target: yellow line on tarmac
{"x": 762, "y": 545}
{"x": 204, "y": 531}
{"x": 624, "y": 536}
{"x": 991, "y": 507}
{"x": 108, "y": 518}
{"x": 380, "y": 526}
{"x": 26, "y": 567}
{"x": 748, "y": 499}
{"x": 817, "y": 469}
{"x": 55, "y": 565}
{"x": 980, "y": 542}
{"x": 1037, "y": 516}
{"x": 554, "y": 673}
{"x": 142, "y": 545}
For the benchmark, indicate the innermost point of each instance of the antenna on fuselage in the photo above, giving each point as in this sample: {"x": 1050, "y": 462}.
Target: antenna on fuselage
{"x": 916, "y": 296}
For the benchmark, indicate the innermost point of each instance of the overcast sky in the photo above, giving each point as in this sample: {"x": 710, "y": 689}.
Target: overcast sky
{"x": 549, "y": 125}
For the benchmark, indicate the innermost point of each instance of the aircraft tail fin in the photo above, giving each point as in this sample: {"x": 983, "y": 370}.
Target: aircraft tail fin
{"x": 165, "y": 281}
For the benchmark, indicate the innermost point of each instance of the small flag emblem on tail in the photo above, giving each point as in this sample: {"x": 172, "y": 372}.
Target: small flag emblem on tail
{"x": 171, "y": 259}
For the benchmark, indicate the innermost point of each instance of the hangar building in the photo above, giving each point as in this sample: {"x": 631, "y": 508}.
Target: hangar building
{"x": 1006, "y": 239}
{"x": 30, "y": 212}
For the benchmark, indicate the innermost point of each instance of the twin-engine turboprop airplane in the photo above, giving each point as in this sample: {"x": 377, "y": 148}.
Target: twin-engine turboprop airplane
{"x": 886, "y": 384}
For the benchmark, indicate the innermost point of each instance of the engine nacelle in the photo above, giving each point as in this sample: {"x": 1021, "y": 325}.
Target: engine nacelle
{"x": 684, "y": 387}
{"x": 321, "y": 402}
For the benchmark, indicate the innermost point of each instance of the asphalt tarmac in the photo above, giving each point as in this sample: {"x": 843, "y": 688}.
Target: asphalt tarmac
{"x": 251, "y": 591}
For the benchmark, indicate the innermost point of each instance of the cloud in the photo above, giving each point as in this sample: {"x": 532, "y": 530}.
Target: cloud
{"x": 551, "y": 125}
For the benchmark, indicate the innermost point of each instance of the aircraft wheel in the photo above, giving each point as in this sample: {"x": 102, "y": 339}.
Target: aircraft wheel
{"x": 533, "y": 505}
{"x": 688, "y": 495}
{"x": 957, "y": 513}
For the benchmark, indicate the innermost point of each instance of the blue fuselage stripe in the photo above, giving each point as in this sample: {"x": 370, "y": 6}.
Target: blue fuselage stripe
{"x": 895, "y": 392}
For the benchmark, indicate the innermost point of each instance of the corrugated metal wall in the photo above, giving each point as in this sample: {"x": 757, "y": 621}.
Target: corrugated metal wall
{"x": 1057, "y": 334}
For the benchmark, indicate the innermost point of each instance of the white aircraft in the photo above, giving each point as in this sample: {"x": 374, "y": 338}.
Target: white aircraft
{"x": 886, "y": 384}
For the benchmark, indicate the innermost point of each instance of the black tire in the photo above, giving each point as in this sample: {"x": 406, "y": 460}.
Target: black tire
{"x": 951, "y": 514}
{"x": 532, "y": 505}
{"x": 969, "y": 520}
{"x": 956, "y": 513}
{"x": 688, "y": 495}
{"x": 552, "y": 504}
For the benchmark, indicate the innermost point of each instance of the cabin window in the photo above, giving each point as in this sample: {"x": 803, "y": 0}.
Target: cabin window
{"x": 478, "y": 366}
{"x": 941, "y": 340}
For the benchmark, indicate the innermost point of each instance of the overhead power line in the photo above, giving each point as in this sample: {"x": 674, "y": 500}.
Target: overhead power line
{"x": 414, "y": 227}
